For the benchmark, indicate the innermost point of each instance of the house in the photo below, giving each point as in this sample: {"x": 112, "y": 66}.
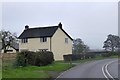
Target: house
{"x": 14, "y": 48}
{"x": 51, "y": 38}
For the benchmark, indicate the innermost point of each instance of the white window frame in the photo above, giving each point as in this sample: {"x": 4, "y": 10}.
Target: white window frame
{"x": 43, "y": 39}
{"x": 25, "y": 40}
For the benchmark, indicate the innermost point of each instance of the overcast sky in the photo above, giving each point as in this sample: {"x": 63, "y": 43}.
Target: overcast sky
{"x": 90, "y": 21}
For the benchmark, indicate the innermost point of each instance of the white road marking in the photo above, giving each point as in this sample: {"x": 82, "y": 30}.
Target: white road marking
{"x": 106, "y": 70}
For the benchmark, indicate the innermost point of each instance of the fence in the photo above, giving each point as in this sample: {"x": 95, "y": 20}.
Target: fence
{"x": 7, "y": 56}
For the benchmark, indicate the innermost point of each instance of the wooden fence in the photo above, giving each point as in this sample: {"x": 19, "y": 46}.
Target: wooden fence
{"x": 7, "y": 56}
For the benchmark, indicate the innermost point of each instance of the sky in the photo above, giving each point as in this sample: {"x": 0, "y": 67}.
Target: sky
{"x": 91, "y": 21}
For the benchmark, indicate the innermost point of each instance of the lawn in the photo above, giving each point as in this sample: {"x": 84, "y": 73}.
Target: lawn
{"x": 51, "y": 70}
{"x": 34, "y": 71}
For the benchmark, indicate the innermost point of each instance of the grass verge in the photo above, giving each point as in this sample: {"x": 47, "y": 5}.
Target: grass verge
{"x": 34, "y": 71}
{"x": 52, "y": 70}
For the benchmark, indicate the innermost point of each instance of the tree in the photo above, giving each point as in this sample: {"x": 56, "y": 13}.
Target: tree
{"x": 79, "y": 46}
{"x": 7, "y": 39}
{"x": 112, "y": 43}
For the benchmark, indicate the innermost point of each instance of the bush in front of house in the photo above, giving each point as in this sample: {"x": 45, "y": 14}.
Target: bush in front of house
{"x": 44, "y": 58}
{"x": 34, "y": 58}
{"x": 20, "y": 59}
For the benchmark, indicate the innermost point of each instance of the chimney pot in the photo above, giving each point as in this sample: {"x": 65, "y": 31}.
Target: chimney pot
{"x": 26, "y": 27}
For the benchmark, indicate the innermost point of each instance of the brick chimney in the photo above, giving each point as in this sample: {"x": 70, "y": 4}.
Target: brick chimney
{"x": 60, "y": 25}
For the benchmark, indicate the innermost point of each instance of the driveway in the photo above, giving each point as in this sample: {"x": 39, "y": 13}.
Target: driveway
{"x": 93, "y": 69}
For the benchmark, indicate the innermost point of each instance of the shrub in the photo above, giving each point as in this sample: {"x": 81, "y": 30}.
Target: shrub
{"x": 106, "y": 54}
{"x": 109, "y": 53}
{"x": 114, "y": 53}
{"x": 34, "y": 58}
{"x": 44, "y": 58}
{"x": 20, "y": 59}
{"x": 78, "y": 56}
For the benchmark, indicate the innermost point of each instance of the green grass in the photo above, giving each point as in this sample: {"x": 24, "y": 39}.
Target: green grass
{"x": 40, "y": 72}
{"x": 52, "y": 67}
{"x": 19, "y": 73}
{"x": 34, "y": 71}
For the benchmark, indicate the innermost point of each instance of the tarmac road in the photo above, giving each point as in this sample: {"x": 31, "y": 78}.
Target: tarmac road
{"x": 92, "y": 69}
{"x": 113, "y": 69}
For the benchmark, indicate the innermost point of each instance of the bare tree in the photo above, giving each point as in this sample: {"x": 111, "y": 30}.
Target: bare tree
{"x": 7, "y": 39}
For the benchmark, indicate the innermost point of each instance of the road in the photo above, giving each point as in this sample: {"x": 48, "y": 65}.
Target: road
{"x": 93, "y": 69}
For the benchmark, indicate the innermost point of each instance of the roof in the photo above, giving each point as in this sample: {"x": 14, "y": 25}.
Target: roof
{"x": 41, "y": 32}
{"x": 38, "y": 32}
{"x": 15, "y": 45}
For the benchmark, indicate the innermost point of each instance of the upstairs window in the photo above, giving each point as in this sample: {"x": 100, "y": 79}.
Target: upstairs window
{"x": 66, "y": 40}
{"x": 25, "y": 40}
{"x": 43, "y": 39}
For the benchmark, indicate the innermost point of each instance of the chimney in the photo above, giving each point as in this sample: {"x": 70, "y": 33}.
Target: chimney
{"x": 26, "y": 27}
{"x": 60, "y": 25}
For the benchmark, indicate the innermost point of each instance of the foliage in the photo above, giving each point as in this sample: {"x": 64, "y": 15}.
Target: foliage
{"x": 71, "y": 57}
{"x": 106, "y": 54}
{"x": 44, "y": 58}
{"x": 34, "y": 58}
{"x": 112, "y": 43}
{"x": 79, "y": 46}
{"x": 35, "y": 71}
{"x": 110, "y": 53}
{"x": 7, "y": 39}
{"x": 22, "y": 74}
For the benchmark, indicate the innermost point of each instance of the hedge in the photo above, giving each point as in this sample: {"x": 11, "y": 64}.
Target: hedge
{"x": 69, "y": 57}
{"x": 108, "y": 54}
{"x": 34, "y": 58}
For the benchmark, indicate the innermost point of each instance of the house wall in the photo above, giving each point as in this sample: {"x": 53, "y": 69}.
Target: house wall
{"x": 10, "y": 48}
{"x": 34, "y": 44}
{"x": 59, "y": 47}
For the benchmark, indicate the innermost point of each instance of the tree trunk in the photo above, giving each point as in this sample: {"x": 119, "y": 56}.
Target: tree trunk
{"x": 112, "y": 49}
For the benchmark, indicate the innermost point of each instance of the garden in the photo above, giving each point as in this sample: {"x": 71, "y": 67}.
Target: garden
{"x": 39, "y": 65}
{"x": 31, "y": 65}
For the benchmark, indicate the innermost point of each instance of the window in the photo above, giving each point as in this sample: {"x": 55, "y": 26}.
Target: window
{"x": 66, "y": 40}
{"x": 44, "y": 39}
{"x": 25, "y": 40}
